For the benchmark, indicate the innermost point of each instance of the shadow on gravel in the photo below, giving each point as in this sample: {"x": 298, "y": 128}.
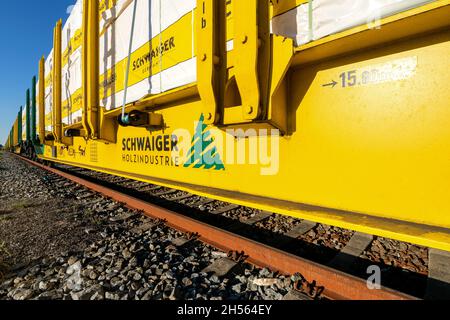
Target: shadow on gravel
{"x": 392, "y": 277}
{"x": 21, "y": 205}
{"x": 26, "y": 204}
{"x": 4, "y": 267}
{"x": 3, "y": 270}
{"x": 5, "y": 212}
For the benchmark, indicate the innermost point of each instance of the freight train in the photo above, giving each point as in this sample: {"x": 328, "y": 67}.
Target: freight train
{"x": 331, "y": 111}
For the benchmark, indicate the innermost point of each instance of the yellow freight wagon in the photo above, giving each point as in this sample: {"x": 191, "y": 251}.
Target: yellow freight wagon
{"x": 266, "y": 104}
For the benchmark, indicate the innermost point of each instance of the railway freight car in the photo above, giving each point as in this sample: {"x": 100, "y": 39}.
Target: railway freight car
{"x": 23, "y": 137}
{"x": 330, "y": 111}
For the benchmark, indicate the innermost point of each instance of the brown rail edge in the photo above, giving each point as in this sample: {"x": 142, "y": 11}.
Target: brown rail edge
{"x": 338, "y": 285}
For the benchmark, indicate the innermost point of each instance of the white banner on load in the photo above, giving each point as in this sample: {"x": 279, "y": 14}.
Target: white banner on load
{"x": 163, "y": 56}
{"x": 321, "y": 18}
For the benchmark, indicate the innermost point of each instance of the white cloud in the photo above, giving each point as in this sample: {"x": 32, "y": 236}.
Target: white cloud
{"x": 69, "y": 9}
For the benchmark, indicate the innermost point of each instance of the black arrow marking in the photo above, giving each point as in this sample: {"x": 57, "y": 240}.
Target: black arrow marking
{"x": 331, "y": 84}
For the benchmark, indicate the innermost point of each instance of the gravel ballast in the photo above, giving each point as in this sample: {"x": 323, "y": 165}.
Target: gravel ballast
{"x": 49, "y": 222}
{"x": 62, "y": 241}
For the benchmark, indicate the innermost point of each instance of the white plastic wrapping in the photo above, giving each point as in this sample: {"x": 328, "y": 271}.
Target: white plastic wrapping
{"x": 24, "y": 123}
{"x": 37, "y": 108}
{"x": 71, "y": 66}
{"x": 330, "y": 17}
{"x": 320, "y": 18}
{"x": 48, "y": 92}
{"x": 163, "y": 56}
{"x": 293, "y": 24}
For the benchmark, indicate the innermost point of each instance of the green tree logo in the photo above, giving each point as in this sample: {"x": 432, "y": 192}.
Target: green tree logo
{"x": 203, "y": 153}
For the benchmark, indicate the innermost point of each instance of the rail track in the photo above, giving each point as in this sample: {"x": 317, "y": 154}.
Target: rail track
{"x": 315, "y": 280}
{"x": 122, "y": 254}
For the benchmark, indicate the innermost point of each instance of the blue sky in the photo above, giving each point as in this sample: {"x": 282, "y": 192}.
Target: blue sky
{"x": 26, "y": 33}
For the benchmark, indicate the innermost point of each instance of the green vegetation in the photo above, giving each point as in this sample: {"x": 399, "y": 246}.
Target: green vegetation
{"x": 24, "y": 205}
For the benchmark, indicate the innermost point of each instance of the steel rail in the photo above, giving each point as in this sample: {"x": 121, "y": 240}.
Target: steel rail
{"x": 338, "y": 285}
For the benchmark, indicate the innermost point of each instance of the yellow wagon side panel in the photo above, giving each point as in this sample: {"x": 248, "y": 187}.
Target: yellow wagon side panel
{"x": 367, "y": 147}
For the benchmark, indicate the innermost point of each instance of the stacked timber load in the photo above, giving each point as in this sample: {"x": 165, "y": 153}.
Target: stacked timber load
{"x": 49, "y": 93}
{"x": 37, "y": 107}
{"x": 162, "y": 49}
{"x": 23, "y": 129}
{"x": 315, "y": 19}
{"x": 163, "y": 44}
{"x": 71, "y": 77}
{"x": 162, "y": 56}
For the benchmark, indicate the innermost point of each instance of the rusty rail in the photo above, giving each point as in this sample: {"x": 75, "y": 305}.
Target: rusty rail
{"x": 338, "y": 285}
